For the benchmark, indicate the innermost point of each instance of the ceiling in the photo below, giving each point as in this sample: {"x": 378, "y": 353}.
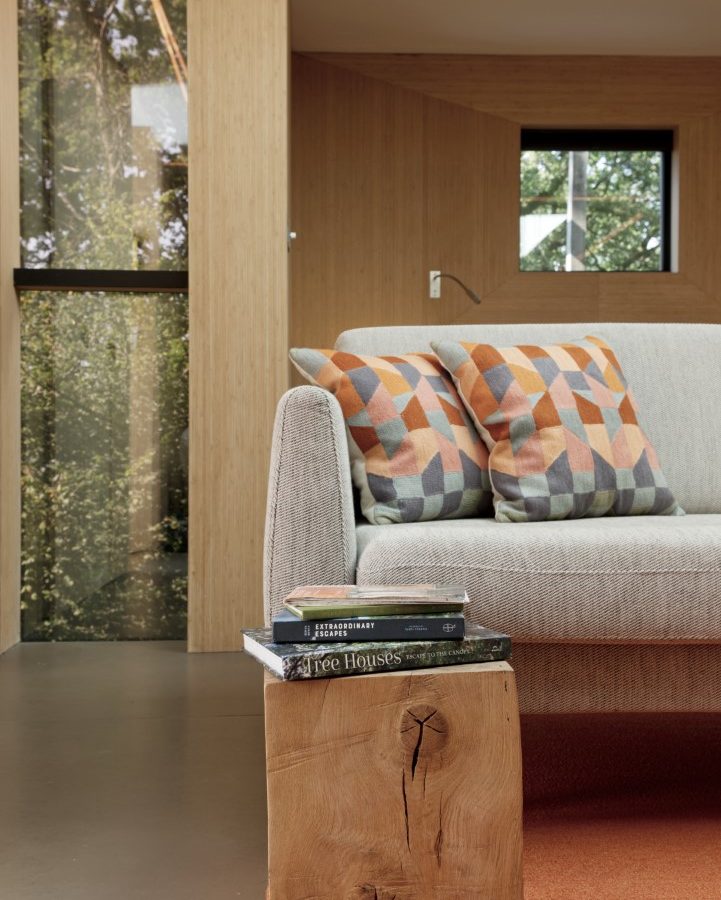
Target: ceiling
{"x": 605, "y": 27}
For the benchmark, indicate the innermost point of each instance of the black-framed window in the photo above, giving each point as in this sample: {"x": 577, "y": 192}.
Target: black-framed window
{"x": 595, "y": 200}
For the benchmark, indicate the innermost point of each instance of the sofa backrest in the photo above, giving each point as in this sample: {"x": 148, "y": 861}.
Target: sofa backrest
{"x": 673, "y": 369}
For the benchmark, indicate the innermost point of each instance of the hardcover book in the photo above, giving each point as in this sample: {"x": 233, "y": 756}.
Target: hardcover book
{"x": 335, "y": 601}
{"x": 292, "y": 662}
{"x": 289, "y": 629}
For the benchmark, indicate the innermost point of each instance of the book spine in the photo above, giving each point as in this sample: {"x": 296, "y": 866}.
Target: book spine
{"x": 331, "y": 611}
{"x": 336, "y": 663}
{"x": 386, "y": 628}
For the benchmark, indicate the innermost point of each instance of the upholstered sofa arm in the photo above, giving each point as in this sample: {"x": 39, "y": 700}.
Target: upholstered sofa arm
{"x": 310, "y": 520}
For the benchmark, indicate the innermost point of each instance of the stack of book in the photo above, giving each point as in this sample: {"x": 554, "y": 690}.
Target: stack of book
{"x": 327, "y": 631}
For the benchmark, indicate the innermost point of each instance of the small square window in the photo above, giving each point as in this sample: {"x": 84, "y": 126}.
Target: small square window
{"x": 595, "y": 201}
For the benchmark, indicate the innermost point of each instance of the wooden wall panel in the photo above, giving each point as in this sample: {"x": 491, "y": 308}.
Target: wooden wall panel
{"x": 453, "y": 157}
{"x": 458, "y": 119}
{"x": 357, "y": 203}
{"x": 9, "y": 331}
{"x": 469, "y": 228}
{"x": 544, "y": 297}
{"x": 699, "y": 154}
{"x": 652, "y": 297}
{"x": 387, "y": 185}
{"x": 501, "y": 201}
{"x": 238, "y": 57}
{"x": 555, "y": 90}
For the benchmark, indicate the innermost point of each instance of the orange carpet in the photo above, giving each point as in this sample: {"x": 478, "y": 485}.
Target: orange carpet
{"x": 622, "y": 807}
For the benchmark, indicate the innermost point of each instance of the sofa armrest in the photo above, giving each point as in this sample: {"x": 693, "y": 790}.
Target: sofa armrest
{"x": 310, "y": 520}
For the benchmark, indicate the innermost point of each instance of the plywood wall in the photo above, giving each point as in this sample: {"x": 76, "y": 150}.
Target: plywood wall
{"x": 402, "y": 164}
{"x": 238, "y": 107}
{"x": 9, "y": 333}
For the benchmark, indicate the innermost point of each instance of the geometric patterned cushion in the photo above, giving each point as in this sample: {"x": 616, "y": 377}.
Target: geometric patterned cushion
{"x": 562, "y": 429}
{"x": 415, "y": 454}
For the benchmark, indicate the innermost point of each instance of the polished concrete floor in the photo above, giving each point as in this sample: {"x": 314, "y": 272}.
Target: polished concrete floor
{"x": 134, "y": 771}
{"x": 130, "y": 770}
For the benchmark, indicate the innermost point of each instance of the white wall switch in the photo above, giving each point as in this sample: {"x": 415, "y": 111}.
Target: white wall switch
{"x": 434, "y": 284}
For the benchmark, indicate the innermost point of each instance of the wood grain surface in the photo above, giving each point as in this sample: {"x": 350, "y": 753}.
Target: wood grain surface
{"x": 403, "y": 164}
{"x": 9, "y": 332}
{"x": 404, "y": 785}
{"x": 238, "y": 190}
{"x": 555, "y": 91}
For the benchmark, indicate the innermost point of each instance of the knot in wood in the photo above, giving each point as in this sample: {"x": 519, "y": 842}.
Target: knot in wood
{"x": 424, "y": 731}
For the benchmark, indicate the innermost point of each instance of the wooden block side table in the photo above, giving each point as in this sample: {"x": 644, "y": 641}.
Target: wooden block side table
{"x": 403, "y": 785}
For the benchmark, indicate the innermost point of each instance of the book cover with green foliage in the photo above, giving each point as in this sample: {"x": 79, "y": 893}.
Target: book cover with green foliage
{"x": 292, "y": 662}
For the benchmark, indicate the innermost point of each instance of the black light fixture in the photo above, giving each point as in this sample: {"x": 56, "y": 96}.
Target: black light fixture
{"x": 436, "y": 276}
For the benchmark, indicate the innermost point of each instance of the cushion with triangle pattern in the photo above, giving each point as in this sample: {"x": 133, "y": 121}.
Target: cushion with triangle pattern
{"x": 414, "y": 452}
{"x": 562, "y": 431}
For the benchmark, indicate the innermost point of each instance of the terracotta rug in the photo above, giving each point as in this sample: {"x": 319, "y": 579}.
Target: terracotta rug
{"x": 622, "y": 807}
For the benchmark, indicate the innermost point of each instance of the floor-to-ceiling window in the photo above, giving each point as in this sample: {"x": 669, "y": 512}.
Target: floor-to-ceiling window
{"x": 103, "y": 124}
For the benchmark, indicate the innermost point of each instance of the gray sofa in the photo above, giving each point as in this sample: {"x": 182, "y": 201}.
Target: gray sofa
{"x": 606, "y": 614}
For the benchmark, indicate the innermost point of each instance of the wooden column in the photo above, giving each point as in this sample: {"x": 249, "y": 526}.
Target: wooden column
{"x": 9, "y": 330}
{"x": 405, "y": 785}
{"x": 238, "y": 108}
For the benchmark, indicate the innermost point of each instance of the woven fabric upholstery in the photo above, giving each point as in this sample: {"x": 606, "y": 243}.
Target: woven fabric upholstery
{"x": 646, "y": 578}
{"x": 568, "y": 678}
{"x": 562, "y": 429}
{"x": 670, "y": 367}
{"x": 310, "y": 521}
{"x": 414, "y": 452}
{"x": 635, "y": 580}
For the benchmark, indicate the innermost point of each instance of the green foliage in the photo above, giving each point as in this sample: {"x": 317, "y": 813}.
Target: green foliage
{"x": 104, "y": 376}
{"x": 96, "y": 191}
{"x": 623, "y": 209}
{"x": 104, "y": 481}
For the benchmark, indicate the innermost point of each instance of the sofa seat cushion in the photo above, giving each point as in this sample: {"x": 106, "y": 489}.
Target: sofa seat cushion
{"x": 650, "y": 578}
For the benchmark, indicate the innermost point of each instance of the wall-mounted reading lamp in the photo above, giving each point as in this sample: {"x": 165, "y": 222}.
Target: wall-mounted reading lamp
{"x": 435, "y": 285}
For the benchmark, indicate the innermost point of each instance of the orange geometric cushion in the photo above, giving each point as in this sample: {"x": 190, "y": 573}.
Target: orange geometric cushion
{"x": 415, "y": 454}
{"x": 561, "y": 427}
